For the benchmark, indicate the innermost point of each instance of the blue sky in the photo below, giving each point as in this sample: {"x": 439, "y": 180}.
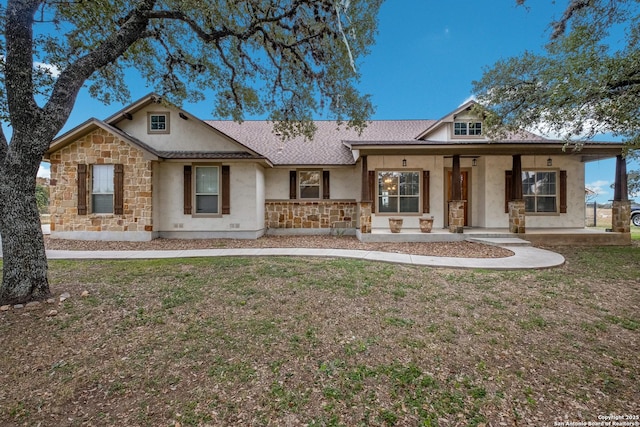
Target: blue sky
{"x": 426, "y": 56}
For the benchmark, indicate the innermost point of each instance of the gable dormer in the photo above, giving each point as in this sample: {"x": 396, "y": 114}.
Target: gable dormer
{"x": 462, "y": 123}
{"x": 466, "y": 125}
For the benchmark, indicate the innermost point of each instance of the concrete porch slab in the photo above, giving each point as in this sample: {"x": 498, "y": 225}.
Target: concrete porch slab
{"x": 535, "y": 236}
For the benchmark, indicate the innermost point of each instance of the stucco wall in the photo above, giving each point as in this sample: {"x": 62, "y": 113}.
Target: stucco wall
{"x": 494, "y": 174}
{"x": 100, "y": 147}
{"x": 344, "y": 182}
{"x": 247, "y": 203}
{"x": 183, "y": 134}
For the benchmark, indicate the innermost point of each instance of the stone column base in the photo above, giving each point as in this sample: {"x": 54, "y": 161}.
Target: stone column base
{"x": 364, "y": 217}
{"x": 621, "y": 216}
{"x": 456, "y": 216}
{"x": 517, "y": 217}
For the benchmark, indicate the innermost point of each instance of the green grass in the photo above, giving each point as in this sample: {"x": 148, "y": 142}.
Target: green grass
{"x": 324, "y": 342}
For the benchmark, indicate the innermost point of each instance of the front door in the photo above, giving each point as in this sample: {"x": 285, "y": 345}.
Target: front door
{"x": 464, "y": 178}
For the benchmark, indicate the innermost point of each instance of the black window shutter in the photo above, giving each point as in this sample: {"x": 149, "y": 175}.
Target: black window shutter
{"x": 325, "y": 185}
{"x": 293, "y": 185}
{"x": 563, "y": 191}
{"x": 425, "y": 192}
{"x": 187, "y": 190}
{"x": 372, "y": 190}
{"x": 82, "y": 189}
{"x": 226, "y": 190}
{"x": 118, "y": 189}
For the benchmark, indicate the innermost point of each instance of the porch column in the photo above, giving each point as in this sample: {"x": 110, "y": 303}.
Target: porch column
{"x": 456, "y": 206}
{"x": 621, "y": 207}
{"x": 364, "y": 193}
{"x": 517, "y": 217}
{"x": 364, "y": 207}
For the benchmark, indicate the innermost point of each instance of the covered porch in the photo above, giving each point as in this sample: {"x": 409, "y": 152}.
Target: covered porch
{"x": 489, "y": 200}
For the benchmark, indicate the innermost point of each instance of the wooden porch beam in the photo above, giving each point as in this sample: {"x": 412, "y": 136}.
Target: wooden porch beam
{"x": 620, "y": 190}
{"x": 516, "y": 176}
{"x": 456, "y": 183}
{"x": 365, "y": 194}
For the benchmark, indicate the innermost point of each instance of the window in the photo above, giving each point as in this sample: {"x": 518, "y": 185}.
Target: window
{"x": 207, "y": 189}
{"x": 398, "y": 192}
{"x": 539, "y": 190}
{"x": 158, "y": 122}
{"x": 467, "y": 128}
{"x": 475, "y": 129}
{"x": 102, "y": 189}
{"x": 309, "y": 184}
{"x": 459, "y": 128}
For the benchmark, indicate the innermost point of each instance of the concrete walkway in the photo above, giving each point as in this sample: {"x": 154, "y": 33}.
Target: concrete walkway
{"x": 524, "y": 256}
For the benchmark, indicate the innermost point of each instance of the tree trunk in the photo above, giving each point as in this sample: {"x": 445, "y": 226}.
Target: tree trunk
{"x": 25, "y": 262}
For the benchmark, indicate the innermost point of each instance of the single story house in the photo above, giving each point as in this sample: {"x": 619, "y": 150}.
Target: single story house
{"x": 154, "y": 170}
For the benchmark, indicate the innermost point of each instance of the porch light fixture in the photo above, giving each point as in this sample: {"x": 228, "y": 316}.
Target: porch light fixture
{"x": 404, "y": 163}
{"x": 549, "y": 162}
{"x": 474, "y": 162}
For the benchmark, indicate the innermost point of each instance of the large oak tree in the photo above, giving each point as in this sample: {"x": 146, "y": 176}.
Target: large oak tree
{"x": 586, "y": 82}
{"x": 290, "y": 58}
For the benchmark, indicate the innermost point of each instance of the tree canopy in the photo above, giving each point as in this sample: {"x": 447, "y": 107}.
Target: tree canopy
{"x": 586, "y": 82}
{"x": 290, "y": 58}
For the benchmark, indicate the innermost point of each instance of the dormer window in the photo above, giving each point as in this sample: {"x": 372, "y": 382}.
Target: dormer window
{"x": 467, "y": 128}
{"x": 158, "y": 122}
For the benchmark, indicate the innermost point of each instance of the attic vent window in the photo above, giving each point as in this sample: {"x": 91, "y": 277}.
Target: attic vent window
{"x": 467, "y": 128}
{"x": 158, "y": 122}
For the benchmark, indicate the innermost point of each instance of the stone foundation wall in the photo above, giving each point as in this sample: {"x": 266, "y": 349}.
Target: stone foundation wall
{"x": 621, "y": 216}
{"x": 517, "y": 217}
{"x": 317, "y": 214}
{"x": 100, "y": 147}
{"x": 456, "y": 216}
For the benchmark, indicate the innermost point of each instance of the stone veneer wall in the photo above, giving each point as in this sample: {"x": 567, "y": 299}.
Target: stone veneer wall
{"x": 517, "y": 217}
{"x": 100, "y": 147}
{"x": 316, "y": 214}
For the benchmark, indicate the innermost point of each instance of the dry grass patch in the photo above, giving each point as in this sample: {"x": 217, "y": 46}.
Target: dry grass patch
{"x": 325, "y": 342}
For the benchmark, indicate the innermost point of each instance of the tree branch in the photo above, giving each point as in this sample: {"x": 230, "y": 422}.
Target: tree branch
{"x": 71, "y": 80}
{"x": 216, "y": 35}
{"x": 559, "y": 27}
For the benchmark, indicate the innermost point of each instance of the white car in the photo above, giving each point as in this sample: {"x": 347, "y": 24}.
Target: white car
{"x": 635, "y": 214}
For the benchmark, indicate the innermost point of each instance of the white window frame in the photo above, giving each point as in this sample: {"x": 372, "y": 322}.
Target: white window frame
{"x": 102, "y": 186}
{"x": 389, "y": 181}
{"x": 301, "y": 186}
{"x": 471, "y": 128}
{"x": 211, "y": 192}
{"x": 531, "y": 192}
{"x": 150, "y": 122}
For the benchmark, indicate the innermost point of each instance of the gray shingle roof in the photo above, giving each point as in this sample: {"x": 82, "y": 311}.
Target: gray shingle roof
{"x": 327, "y": 147}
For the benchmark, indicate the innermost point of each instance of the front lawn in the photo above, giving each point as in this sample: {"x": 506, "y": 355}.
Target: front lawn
{"x": 325, "y": 342}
